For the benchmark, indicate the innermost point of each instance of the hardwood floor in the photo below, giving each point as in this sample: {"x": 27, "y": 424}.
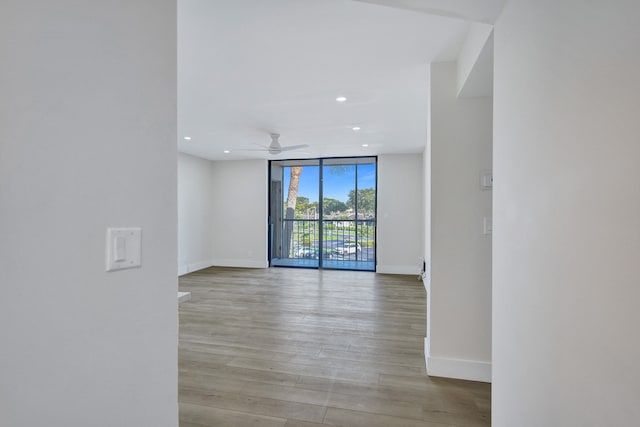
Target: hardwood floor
{"x": 292, "y": 347}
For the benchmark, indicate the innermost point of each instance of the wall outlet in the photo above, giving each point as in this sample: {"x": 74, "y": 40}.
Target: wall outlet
{"x": 486, "y": 180}
{"x": 487, "y": 226}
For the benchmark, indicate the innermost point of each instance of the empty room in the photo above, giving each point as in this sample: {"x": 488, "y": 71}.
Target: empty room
{"x": 302, "y": 232}
{"x": 319, "y": 213}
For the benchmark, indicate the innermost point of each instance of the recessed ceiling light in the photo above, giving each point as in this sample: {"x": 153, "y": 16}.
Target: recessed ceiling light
{"x": 356, "y": 128}
{"x": 341, "y": 99}
{"x": 187, "y": 138}
{"x": 226, "y": 151}
{"x": 365, "y": 145}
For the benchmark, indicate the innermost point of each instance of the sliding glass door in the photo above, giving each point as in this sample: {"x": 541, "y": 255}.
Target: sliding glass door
{"x": 323, "y": 213}
{"x": 349, "y": 213}
{"x": 294, "y": 213}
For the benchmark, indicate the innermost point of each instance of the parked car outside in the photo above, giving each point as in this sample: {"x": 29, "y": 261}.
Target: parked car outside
{"x": 306, "y": 252}
{"x": 348, "y": 248}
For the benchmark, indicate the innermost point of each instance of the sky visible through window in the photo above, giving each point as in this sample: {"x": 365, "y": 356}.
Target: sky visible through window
{"x": 336, "y": 185}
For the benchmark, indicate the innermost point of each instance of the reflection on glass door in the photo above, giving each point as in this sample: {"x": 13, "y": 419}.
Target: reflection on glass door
{"x": 323, "y": 213}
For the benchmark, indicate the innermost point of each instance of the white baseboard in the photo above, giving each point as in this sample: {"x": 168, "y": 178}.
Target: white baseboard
{"x": 240, "y": 263}
{"x": 398, "y": 269}
{"x": 470, "y": 370}
{"x": 189, "y": 268}
{"x": 183, "y": 296}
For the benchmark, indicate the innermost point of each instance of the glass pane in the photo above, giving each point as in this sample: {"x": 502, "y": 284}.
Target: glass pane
{"x": 366, "y": 191}
{"x": 366, "y": 214}
{"x": 338, "y": 232}
{"x": 295, "y": 233}
{"x": 338, "y": 188}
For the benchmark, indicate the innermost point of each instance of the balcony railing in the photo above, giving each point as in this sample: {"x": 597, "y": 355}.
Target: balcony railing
{"x": 344, "y": 240}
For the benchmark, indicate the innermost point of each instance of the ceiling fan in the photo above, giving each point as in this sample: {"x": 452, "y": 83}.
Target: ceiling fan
{"x": 275, "y": 147}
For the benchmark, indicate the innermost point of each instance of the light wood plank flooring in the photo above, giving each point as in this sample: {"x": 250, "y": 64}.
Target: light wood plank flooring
{"x": 293, "y": 347}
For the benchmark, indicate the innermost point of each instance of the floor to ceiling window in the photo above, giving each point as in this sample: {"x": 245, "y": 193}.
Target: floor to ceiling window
{"x": 322, "y": 213}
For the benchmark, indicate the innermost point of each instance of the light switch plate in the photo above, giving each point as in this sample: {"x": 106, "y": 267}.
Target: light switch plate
{"x": 123, "y": 248}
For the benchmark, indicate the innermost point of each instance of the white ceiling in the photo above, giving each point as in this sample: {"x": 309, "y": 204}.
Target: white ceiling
{"x": 485, "y": 11}
{"x": 250, "y": 67}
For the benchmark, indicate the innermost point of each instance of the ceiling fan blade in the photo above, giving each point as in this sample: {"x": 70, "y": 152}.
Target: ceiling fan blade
{"x": 262, "y": 148}
{"x": 294, "y": 147}
{"x": 274, "y": 148}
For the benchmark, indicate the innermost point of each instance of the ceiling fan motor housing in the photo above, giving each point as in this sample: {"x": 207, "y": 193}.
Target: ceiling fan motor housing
{"x": 275, "y": 147}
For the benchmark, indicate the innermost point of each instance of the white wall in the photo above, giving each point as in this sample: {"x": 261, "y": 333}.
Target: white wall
{"x": 475, "y": 62}
{"x": 87, "y": 141}
{"x": 459, "y": 302}
{"x": 426, "y": 211}
{"x": 195, "y": 213}
{"x": 222, "y": 213}
{"x": 567, "y": 214}
{"x": 400, "y": 225}
{"x": 239, "y": 219}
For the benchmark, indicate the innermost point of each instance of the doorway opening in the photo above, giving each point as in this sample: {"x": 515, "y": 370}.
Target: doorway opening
{"x": 322, "y": 213}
